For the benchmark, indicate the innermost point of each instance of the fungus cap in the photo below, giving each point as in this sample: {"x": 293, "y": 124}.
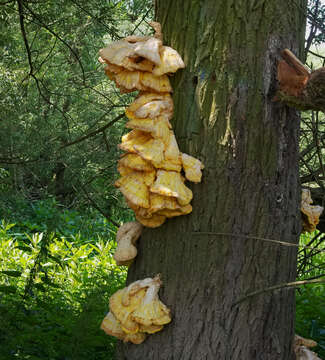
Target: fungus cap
{"x": 160, "y": 202}
{"x": 136, "y": 162}
{"x": 170, "y": 183}
{"x": 134, "y": 63}
{"x": 151, "y": 105}
{"x": 169, "y": 213}
{"x": 123, "y": 313}
{"x": 117, "y": 51}
{"x": 112, "y": 326}
{"x": 124, "y": 170}
{"x": 158, "y": 128}
{"x": 134, "y": 137}
{"x": 171, "y": 149}
{"x": 126, "y": 238}
{"x": 154, "y": 221}
{"x": 171, "y": 61}
{"x": 149, "y": 49}
{"x": 152, "y": 150}
{"x": 151, "y": 310}
{"x": 169, "y": 165}
{"x": 151, "y": 82}
{"x": 112, "y": 68}
{"x": 137, "y": 338}
{"x": 192, "y": 168}
{"x": 147, "y": 177}
{"x": 134, "y": 188}
{"x": 150, "y": 329}
{"x": 130, "y": 80}
{"x": 301, "y": 348}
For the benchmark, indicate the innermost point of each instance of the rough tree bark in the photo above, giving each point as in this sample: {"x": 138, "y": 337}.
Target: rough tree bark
{"x": 225, "y": 115}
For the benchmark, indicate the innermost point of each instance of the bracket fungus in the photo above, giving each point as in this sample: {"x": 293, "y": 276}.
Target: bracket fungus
{"x": 298, "y": 87}
{"x": 301, "y": 348}
{"x": 126, "y": 237}
{"x": 153, "y": 163}
{"x": 136, "y": 311}
{"x": 310, "y": 213}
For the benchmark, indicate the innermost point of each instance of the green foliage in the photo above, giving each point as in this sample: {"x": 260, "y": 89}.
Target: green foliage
{"x": 310, "y": 315}
{"x": 54, "y": 93}
{"x": 54, "y": 293}
{"x": 310, "y": 305}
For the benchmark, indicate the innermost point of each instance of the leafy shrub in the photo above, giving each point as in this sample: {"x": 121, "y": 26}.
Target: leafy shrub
{"x": 54, "y": 294}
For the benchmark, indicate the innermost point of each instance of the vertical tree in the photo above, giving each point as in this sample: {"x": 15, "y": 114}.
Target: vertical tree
{"x": 225, "y": 115}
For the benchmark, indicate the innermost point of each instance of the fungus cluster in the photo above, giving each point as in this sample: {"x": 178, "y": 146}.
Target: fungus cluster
{"x": 310, "y": 213}
{"x": 151, "y": 179}
{"x": 136, "y": 311}
{"x": 301, "y": 348}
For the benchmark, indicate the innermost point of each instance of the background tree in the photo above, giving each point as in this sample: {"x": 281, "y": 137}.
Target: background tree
{"x": 225, "y": 115}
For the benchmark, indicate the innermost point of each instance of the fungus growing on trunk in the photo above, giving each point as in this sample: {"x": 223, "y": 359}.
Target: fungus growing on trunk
{"x": 126, "y": 238}
{"x": 310, "y": 213}
{"x": 136, "y": 311}
{"x": 151, "y": 179}
{"x": 301, "y": 348}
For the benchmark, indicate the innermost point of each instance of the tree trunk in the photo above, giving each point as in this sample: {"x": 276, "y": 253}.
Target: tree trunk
{"x": 225, "y": 116}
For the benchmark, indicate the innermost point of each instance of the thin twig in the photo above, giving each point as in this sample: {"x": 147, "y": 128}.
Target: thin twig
{"x": 58, "y": 37}
{"x": 98, "y": 131}
{"x": 277, "y": 287}
{"x": 93, "y": 203}
{"x": 278, "y": 242}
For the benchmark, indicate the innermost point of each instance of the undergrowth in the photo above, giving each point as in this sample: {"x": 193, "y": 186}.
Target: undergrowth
{"x": 57, "y": 274}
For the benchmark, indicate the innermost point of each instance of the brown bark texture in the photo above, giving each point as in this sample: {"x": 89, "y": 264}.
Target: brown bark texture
{"x": 225, "y": 115}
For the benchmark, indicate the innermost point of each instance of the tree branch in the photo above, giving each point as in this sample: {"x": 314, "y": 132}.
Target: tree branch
{"x": 97, "y": 207}
{"x": 23, "y": 32}
{"x": 57, "y": 36}
{"x": 298, "y": 88}
{"x": 94, "y": 133}
{"x": 278, "y": 287}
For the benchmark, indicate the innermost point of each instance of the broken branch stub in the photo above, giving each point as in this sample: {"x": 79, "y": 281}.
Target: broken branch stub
{"x": 297, "y": 86}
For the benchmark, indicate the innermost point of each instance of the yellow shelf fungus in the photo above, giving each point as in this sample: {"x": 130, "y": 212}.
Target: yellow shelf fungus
{"x": 171, "y": 61}
{"x": 151, "y": 170}
{"x": 151, "y": 105}
{"x": 310, "y": 213}
{"x": 301, "y": 348}
{"x": 136, "y": 311}
{"x": 135, "y": 162}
